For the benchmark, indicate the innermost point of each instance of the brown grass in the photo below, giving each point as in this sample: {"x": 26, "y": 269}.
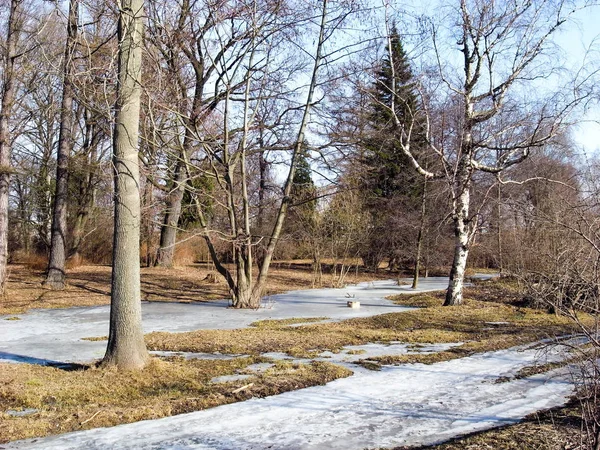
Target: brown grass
{"x": 73, "y": 400}
{"x": 432, "y": 323}
{"x": 67, "y": 401}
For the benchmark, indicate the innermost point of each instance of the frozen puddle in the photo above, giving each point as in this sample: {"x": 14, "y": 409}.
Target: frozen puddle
{"x": 411, "y": 404}
{"x": 353, "y": 353}
{"x": 56, "y": 335}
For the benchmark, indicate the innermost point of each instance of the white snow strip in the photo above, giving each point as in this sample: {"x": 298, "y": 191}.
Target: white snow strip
{"x": 404, "y": 405}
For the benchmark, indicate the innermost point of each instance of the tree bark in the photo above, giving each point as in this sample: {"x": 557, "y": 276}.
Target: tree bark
{"x": 126, "y": 348}
{"x": 8, "y": 99}
{"x": 499, "y": 236}
{"x": 168, "y": 231}
{"x": 421, "y": 236}
{"x": 87, "y": 188}
{"x": 462, "y": 233}
{"x": 55, "y": 278}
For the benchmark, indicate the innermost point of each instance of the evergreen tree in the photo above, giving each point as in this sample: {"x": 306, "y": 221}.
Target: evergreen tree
{"x": 388, "y": 179}
{"x": 301, "y": 216}
{"x": 303, "y": 187}
{"x": 393, "y": 97}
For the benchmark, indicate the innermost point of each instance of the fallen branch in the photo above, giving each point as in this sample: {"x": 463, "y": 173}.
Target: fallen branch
{"x": 94, "y": 415}
{"x": 242, "y": 388}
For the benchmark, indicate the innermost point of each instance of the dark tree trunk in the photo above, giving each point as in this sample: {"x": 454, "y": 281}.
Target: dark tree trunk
{"x": 55, "y": 278}
{"x": 8, "y": 98}
{"x": 168, "y": 232}
{"x": 421, "y": 236}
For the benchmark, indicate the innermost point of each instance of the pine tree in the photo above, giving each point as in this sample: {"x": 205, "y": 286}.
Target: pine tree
{"x": 303, "y": 187}
{"x": 301, "y": 216}
{"x": 393, "y": 96}
{"x": 388, "y": 179}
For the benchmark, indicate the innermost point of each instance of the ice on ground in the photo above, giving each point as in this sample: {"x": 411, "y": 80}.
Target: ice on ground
{"x": 411, "y": 404}
{"x": 21, "y": 413}
{"x": 56, "y": 334}
{"x": 228, "y": 378}
{"x": 355, "y": 353}
{"x": 259, "y": 367}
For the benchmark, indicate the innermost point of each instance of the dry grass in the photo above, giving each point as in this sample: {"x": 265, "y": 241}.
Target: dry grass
{"x": 278, "y": 323}
{"x": 482, "y": 326}
{"x": 67, "y": 401}
{"x": 89, "y": 285}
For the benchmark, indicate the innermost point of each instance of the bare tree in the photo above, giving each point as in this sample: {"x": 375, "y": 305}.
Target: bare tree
{"x": 55, "y": 279}
{"x": 126, "y": 348}
{"x": 503, "y": 48}
{"x": 7, "y": 102}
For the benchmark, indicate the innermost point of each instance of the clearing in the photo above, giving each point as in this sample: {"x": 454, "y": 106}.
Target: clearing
{"x": 395, "y": 375}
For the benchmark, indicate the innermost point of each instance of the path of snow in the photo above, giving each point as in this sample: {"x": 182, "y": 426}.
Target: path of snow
{"x": 404, "y": 405}
{"x": 54, "y": 335}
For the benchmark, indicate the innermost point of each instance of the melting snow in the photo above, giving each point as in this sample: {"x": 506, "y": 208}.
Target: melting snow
{"x": 402, "y": 405}
{"x": 56, "y": 334}
{"x": 411, "y": 404}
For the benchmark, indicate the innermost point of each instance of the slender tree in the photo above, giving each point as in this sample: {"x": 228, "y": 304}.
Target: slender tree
{"x": 7, "y": 102}
{"x": 126, "y": 348}
{"x": 55, "y": 278}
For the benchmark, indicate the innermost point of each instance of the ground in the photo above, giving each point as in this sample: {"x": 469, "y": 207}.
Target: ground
{"x": 89, "y": 285}
{"x": 39, "y": 400}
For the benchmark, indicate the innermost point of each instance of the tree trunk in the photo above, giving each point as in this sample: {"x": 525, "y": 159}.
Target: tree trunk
{"x": 126, "y": 348}
{"x": 148, "y": 196}
{"x": 8, "y": 98}
{"x": 87, "y": 188}
{"x": 280, "y": 218}
{"x": 243, "y": 297}
{"x": 499, "y": 220}
{"x": 168, "y": 232}
{"x": 263, "y": 167}
{"x": 462, "y": 236}
{"x": 421, "y": 236}
{"x": 55, "y": 279}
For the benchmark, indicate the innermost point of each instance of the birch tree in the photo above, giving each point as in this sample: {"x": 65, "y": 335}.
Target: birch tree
{"x": 504, "y": 50}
